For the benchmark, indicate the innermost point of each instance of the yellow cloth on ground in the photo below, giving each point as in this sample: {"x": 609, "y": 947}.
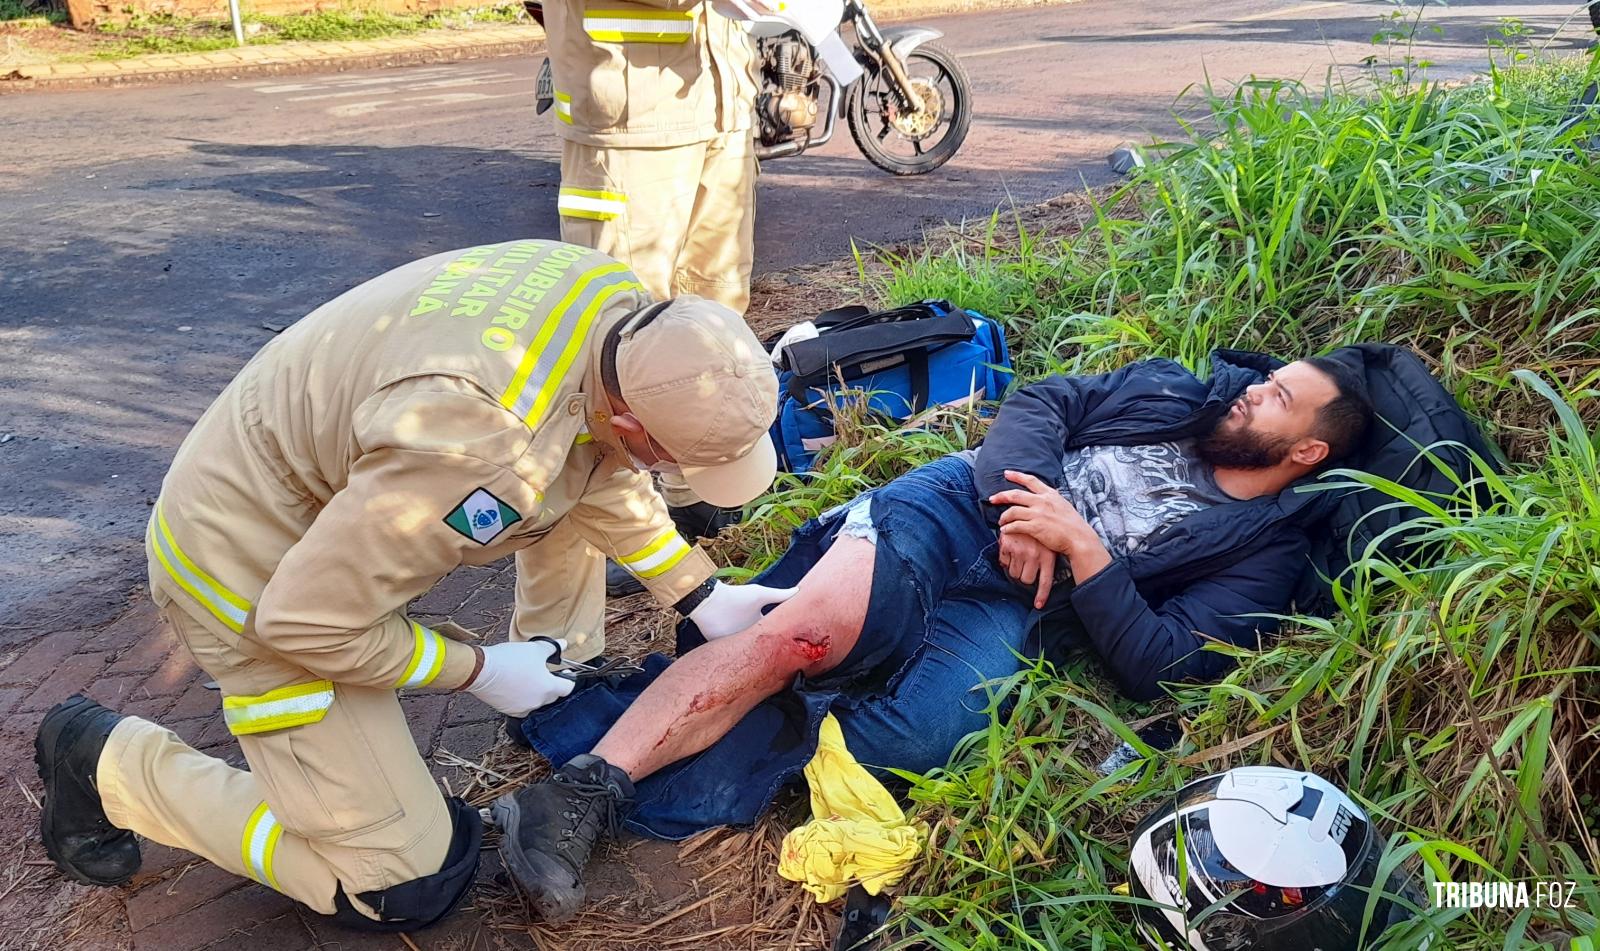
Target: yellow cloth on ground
{"x": 858, "y": 832}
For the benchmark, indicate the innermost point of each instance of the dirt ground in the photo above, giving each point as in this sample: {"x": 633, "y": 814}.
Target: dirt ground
{"x": 22, "y": 44}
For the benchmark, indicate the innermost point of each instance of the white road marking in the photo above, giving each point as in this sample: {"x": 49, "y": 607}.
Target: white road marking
{"x": 1156, "y": 31}
{"x": 1302, "y": 8}
{"x": 401, "y": 79}
{"x": 353, "y": 109}
{"x": 433, "y": 84}
{"x": 394, "y": 89}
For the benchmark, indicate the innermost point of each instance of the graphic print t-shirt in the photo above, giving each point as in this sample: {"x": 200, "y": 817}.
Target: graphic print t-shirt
{"x": 1128, "y": 493}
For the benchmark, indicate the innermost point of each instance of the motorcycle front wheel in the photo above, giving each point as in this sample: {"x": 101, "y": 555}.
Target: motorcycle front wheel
{"x": 906, "y": 143}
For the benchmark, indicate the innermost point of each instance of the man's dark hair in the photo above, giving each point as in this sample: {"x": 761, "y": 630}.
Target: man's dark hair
{"x": 1343, "y": 420}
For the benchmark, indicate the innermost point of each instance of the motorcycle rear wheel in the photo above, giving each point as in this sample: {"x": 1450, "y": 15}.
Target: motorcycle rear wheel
{"x": 912, "y": 145}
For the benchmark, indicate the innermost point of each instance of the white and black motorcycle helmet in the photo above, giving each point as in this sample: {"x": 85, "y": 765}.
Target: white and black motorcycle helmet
{"x": 1286, "y": 857}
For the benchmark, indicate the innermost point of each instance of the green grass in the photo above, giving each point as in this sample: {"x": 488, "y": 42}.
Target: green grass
{"x": 165, "y": 33}
{"x": 12, "y": 10}
{"x": 1458, "y": 703}
{"x": 341, "y": 25}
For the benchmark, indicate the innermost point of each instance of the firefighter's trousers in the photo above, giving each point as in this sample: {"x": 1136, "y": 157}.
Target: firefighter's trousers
{"x": 344, "y": 804}
{"x": 682, "y": 218}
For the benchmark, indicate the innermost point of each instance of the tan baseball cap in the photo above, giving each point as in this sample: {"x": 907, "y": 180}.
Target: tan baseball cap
{"x": 704, "y": 388}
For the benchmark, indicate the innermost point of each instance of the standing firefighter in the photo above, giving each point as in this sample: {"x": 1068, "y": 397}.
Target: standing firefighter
{"x": 655, "y": 104}
{"x": 453, "y": 411}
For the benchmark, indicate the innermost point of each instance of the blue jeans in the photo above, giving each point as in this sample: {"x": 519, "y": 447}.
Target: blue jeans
{"x": 944, "y": 620}
{"x": 941, "y": 621}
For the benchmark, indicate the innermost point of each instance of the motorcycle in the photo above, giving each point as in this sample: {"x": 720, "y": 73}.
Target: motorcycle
{"x": 907, "y": 100}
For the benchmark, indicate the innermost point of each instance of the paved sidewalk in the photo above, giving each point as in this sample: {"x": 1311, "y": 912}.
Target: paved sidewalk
{"x": 136, "y": 666}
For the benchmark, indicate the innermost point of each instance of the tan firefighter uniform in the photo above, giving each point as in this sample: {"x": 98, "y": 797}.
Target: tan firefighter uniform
{"x": 655, "y": 101}
{"x": 433, "y": 417}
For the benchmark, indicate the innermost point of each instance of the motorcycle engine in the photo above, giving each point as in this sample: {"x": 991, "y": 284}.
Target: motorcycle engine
{"x": 787, "y": 101}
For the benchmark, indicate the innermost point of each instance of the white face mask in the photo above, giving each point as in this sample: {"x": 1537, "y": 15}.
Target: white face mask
{"x": 659, "y": 468}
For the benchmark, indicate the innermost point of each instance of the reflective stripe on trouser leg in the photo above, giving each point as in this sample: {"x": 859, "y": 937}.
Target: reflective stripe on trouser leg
{"x": 280, "y": 709}
{"x": 596, "y": 203}
{"x": 660, "y": 185}
{"x": 357, "y": 805}
{"x": 156, "y": 785}
{"x": 259, "y": 844}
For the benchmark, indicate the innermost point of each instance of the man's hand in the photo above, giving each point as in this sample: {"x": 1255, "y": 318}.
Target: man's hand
{"x": 1026, "y": 559}
{"x": 516, "y": 678}
{"x": 730, "y": 608}
{"x": 1040, "y": 512}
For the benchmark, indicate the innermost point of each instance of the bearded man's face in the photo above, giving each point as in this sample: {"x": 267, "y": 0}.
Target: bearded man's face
{"x": 1232, "y": 444}
{"x": 1265, "y": 423}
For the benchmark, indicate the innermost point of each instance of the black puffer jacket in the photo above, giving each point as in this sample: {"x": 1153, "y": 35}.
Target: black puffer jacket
{"x": 1224, "y": 571}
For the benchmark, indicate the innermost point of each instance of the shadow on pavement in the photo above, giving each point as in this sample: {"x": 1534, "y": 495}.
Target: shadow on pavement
{"x": 134, "y": 299}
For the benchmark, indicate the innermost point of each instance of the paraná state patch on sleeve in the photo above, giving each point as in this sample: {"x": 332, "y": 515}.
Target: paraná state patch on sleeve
{"x": 482, "y": 516}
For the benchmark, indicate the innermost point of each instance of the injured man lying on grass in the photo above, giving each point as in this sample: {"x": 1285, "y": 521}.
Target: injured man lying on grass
{"x": 1137, "y": 513}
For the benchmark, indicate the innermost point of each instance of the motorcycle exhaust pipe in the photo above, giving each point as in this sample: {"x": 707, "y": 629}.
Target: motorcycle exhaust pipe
{"x": 781, "y": 150}
{"x": 835, "y": 101}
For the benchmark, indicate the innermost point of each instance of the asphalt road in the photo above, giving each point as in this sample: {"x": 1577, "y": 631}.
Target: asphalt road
{"x": 149, "y": 235}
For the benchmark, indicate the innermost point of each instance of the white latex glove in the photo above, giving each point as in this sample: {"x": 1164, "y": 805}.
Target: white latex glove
{"x": 730, "y": 608}
{"x": 515, "y": 678}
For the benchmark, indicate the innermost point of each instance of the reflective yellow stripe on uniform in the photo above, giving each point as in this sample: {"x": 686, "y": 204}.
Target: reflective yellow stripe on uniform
{"x": 278, "y": 709}
{"x": 639, "y": 26}
{"x": 545, "y": 363}
{"x": 658, "y": 557}
{"x": 564, "y": 107}
{"x": 427, "y": 658}
{"x": 259, "y": 843}
{"x": 591, "y": 203}
{"x": 229, "y": 608}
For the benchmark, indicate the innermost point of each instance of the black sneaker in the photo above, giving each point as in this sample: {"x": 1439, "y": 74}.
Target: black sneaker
{"x": 549, "y": 829}
{"x": 77, "y": 835}
{"x": 702, "y": 519}
{"x": 620, "y": 582}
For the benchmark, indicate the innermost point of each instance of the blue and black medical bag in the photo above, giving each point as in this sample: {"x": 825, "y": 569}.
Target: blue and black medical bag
{"x": 901, "y": 362}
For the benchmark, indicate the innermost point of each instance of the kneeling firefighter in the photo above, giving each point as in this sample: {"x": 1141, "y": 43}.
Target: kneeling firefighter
{"x": 453, "y": 411}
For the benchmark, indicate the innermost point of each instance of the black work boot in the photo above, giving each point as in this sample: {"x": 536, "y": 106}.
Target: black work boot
{"x": 620, "y": 582}
{"x": 77, "y": 835}
{"x": 549, "y": 829}
{"x": 702, "y": 519}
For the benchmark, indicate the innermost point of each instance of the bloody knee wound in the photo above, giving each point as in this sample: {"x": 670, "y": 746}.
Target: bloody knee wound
{"x": 812, "y": 648}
